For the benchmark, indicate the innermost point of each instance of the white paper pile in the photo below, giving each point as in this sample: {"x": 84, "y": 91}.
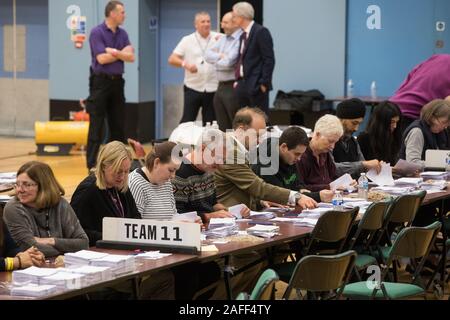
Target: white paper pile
{"x": 8, "y": 177}
{"x": 434, "y": 175}
{"x": 263, "y": 215}
{"x": 306, "y": 222}
{"x": 384, "y": 177}
{"x": 31, "y": 275}
{"x": 264, "y": 231}
{"x": 65, "y": 281}
{"x": 408, "y": 182}
{"x": 398, "y": 191}
{"x": 152, "y": 255}
{"x": 221, "y": 227}
{"x": 431, "y": 185}
{"x": 236, "y": 210}
{"x": 185, "y": 217}
{"x": 93, "y": 274}
{"x": 119, "y": 264}
{"x": 33, "y": 290}
{"x": 82, "y": 257}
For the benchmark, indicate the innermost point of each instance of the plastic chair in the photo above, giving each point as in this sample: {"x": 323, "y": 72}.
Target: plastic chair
{"x": 318, "y": 274}
{"x": 263, "y": 289}
{"x": 411, "y": 242}
{"x": 332, "y": 228}
{"x": 364, "y": 237}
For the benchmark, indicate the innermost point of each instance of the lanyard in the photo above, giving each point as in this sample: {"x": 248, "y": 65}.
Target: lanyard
{"x": 114, "y": 195}
{"x": 203, "y": 50}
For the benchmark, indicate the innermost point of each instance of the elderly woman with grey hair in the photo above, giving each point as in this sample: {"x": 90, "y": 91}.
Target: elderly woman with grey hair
{"x": 316, "y": 167}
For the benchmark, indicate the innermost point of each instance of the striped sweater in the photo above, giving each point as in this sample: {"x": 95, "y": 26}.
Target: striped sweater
{"x": 152, "y": 201}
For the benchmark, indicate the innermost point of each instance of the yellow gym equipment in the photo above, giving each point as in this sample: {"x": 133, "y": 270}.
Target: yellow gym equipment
{"x": 58, "y": 137}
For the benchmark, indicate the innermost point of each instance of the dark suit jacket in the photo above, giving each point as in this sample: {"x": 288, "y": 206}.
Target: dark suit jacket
{"x": 258, "y": 59}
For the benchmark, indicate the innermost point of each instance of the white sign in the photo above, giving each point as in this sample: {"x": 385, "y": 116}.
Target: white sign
{"x": 181, "y": 234}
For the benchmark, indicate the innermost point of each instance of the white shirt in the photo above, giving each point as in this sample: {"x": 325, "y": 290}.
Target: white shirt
{"x": 247, "y": 30}
{"x": 192, "y": 48}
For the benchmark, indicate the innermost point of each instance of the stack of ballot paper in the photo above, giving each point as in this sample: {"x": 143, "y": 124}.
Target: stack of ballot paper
{"x": 408, "y": 182}
{"x": 185, "y": 217}
{"x": 82, "y": 257}
{"x": 119, "y": 264}
{"x": 93, "y": 274}
{"x": 434, "y": 175}
{"x": 263, "y": 215}
{"x": 433, "y": 185}
{"x": 65, "y": 280}
{"x": 398, "y": 191}
{"x": 306, "y": 222}
{"x": 264, "y": 231}
{"x": 152, "y": 255}
{"x": 221, "y": 227}
{"x": 31, "y": 275}
{"x": 33, "y": 290}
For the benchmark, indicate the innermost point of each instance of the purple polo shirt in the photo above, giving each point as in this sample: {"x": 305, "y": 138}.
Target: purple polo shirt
{"x": 427, "y": 81}
{"x": 101, "y": 38}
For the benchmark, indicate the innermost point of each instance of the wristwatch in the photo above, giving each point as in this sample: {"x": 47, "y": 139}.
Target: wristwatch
{"x": 297, "y": 197}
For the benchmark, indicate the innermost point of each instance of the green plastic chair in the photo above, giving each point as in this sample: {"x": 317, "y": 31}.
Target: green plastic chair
{"x": 411, "y": 242}
{"x": 264, "y": 287}
{"x": 362, "y": 241}
{"x": 319, "y": 274}
{"x": 333, "y": 228}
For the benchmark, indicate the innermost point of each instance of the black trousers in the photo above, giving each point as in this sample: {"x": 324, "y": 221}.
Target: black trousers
{"x": 106, "y": 100}
{"x": 248, "y": 99}
{"x": 225, "y": 105}
{"x": 193, "y": 100}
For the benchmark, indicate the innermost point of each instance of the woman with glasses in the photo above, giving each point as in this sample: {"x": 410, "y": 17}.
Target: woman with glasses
{"x": 429, "y": 132}
{"x": 105, "y": 192}
{"x": 39, "y": 216}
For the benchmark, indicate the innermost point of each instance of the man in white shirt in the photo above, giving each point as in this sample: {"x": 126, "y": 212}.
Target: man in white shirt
{"x": 223, "y": 55}
{"x": 200, "y": 80}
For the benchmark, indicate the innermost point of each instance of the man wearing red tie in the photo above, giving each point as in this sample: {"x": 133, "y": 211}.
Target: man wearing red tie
{"x": 256, "y": 60}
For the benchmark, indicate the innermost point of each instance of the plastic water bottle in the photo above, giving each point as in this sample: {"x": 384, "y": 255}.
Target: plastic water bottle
{"x": 350, "y": 88}
{"x": 215, "y": 125}
{"x": 373, "y": 90}
{"x": 208, "y": 125}
{"x": 338, "y": 201}
{"x": 363, "y": 186}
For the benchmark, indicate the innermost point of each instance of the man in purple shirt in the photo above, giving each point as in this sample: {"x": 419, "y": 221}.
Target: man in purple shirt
{"x": 110, "y": 48}
{"x": 427, "y": 81}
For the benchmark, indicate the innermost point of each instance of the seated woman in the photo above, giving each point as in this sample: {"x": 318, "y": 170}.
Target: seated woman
{"x": 427, "y": 133}
{"x": 316, "y": 168}
{"x": 150, "y": 185}
{"x": 382, "y": 138}
{"x": 105, "y": 193}
{"x": 10, "y": 256}
{"x": 39, "y": 216}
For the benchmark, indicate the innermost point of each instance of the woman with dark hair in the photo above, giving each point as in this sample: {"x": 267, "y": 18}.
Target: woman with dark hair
{"x": 39, "y": 216}
{"x": 10, "y": 256}
{"x": 382, "y": 138}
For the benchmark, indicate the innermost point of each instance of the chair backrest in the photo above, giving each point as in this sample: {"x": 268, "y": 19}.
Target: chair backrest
{"x": 333, "y": 226}
{"x": 371, "y": 222}
{"x": 321, "y": 273}
{"x": 414, "y": 242}
{"x": 264, "y": 287}
{"x": 404, "y": 208}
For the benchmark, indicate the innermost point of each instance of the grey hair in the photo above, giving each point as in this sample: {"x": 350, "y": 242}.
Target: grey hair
{"x": 245, "y": 10}
{"x": 329, "y": 125}
{"x": 212, "y": 139}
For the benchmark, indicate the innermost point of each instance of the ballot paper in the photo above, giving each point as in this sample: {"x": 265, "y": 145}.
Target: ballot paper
{"x": 185, "y": 217}
{"x": 236, "y": 210}
{"x": 384, "y": 178}
{"x": 33, "y": 290}
{"x": 31, "y": 275}
{"x": 264, "y": 231}
{"x": 152, "y": 255}
{"x": 82, "y": 257}
{"x": 343, "y": 181}
{"x": 262, "y": 215}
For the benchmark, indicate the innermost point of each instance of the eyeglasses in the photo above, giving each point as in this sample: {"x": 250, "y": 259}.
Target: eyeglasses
{"x": 24, "y": 185}
{"x": 442, "y": 124}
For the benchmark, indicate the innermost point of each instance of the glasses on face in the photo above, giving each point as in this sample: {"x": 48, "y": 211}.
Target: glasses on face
{"x": 442, "y": 124}
{"x": 24, "y": 185}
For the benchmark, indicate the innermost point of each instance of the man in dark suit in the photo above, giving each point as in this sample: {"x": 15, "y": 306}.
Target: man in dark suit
{"x": 256, "y": 60}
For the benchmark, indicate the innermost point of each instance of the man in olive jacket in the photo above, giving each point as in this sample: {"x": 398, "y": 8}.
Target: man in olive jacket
{"x": 236, "y": 182}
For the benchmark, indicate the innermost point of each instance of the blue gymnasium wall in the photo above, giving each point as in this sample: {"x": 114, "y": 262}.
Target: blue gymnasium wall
{"x": 34, "y": 15}
{"x": 407, "y": 37}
